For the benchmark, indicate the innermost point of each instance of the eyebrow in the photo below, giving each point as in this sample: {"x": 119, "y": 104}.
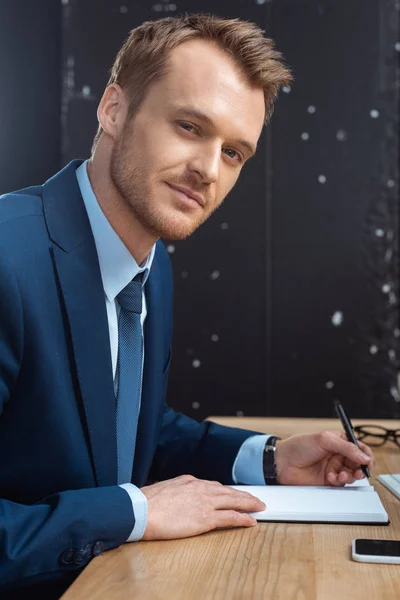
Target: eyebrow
{"x": 201, "y": 116}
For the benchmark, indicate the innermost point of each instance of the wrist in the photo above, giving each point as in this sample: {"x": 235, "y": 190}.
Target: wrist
{"x": 282, "y": 461}
{"x": 278, "y": 460}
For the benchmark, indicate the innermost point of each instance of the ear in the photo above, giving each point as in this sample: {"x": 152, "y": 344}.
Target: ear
{"x": 112, "y": 110}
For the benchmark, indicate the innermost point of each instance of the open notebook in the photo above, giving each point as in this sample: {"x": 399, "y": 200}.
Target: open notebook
{"x": 354, "y": 503}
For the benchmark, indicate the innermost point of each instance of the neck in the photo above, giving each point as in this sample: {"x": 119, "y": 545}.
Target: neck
{"x": 118, "y": 213}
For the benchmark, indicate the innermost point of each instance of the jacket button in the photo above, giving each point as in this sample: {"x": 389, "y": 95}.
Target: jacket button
{"x": 98, "y": 548}
{"x": 67, "y": 557}
{"x": 79, "y": 557}
{"x": 87, "y": 551}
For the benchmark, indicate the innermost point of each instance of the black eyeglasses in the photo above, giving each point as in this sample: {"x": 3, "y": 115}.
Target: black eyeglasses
{"x": 375, "y": 435}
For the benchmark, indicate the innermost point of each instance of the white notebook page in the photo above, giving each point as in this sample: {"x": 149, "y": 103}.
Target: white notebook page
{"x": 313, "y": 504}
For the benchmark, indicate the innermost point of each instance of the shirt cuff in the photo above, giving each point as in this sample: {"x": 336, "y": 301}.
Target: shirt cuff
{"x": 139, "y": 507}
{"x": 248, "y": 466}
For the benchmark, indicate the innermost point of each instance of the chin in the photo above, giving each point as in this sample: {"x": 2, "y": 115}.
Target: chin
{"x": 178, "y": 228}
{"x": 176, "y": 234}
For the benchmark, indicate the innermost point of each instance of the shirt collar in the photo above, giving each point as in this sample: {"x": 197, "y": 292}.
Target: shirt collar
{"x": 117, "y": 265}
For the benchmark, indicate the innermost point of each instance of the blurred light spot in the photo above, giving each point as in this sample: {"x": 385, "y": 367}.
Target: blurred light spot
{"x": 286, "y": 89}
{"x": 386, "y": 288}
{"x": 311, "y": 109}
{"x": 214, "y": 337}
{"x": 196, "y": 363}
{"x": 374, "y": 113}
{"x": 184, "y": 274}
{"x": 392, "y": 354}
{"x": 305, "y": 136}
{"x": 85, "y": 90}
{"x": 214, "y": 275}
{"x": 239, "y": 413}
{"x": 373, "y": 349}
{"x": 196, "y": 405}
{"x": 397, "y": 46}
{"x": 322, "y": 179}
{"x": 171, "y": 248}
{"x": 329, "y": 385}
{"x": 391, "y": 183}
{"x": 123, "y": 9}
{"x": 388, "y": 255}
{"x": 341, "y": 135}
{"x": 224, "y": 225}
{"x": 379, "y": 232}
{"x": 395, "y": 393}
{"x": 337, "y": 318}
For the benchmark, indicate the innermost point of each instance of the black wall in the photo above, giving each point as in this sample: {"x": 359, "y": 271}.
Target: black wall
{"x": 30, "y": 91}
{"x": 288, "y": 296}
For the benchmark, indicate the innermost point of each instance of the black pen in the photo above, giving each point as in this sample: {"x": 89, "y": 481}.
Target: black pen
{"x": 348, "y": 428}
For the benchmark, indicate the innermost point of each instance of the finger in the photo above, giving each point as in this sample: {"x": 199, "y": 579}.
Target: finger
{"x": 363, "y": 447}
{"x": 333, "y": 479}
{"x": 359, "y": 474}
{"x": 346, "y": 476}
{"x": 336, "y": 463}
{"x": 231, "y": 491}
{"x": 336, "y": 471}
{"x": 241, "y": 501}
{"x": 367, "y": 450}
{"x": 337, "y": 445}
{"x": 232, "y": 518}
{"x": 354, "y": 467}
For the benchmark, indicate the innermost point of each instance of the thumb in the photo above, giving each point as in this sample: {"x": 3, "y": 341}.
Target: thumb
{"x": 336, "y": 445}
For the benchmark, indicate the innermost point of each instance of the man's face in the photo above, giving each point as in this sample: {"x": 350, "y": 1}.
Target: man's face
{"x": 192, "y": 134}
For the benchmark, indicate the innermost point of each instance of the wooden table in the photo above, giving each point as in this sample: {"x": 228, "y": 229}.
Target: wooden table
{"x": 270, "y": 561}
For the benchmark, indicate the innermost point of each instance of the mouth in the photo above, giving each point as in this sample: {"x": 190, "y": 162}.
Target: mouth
{"x": 187, "y": 195}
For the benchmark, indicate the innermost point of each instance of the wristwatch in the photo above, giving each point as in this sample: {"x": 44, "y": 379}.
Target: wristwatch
{"x": 269, "y": 465}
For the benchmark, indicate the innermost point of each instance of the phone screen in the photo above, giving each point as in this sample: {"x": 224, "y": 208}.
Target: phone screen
{"x": 378, "y": 547}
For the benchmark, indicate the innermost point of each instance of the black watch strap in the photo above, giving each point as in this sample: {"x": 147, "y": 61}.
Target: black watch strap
{"x": 269, "y": 465}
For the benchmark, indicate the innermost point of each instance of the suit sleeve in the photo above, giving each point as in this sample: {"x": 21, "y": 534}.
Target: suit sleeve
{"x": 205, "y": 450}
{"x": 61, "y": 533}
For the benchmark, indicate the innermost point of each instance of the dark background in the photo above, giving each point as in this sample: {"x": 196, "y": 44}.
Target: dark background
{"x": 288, "y": 296}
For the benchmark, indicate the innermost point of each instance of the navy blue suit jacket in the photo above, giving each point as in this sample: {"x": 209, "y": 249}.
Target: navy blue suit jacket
{"x": 60, "y": 504}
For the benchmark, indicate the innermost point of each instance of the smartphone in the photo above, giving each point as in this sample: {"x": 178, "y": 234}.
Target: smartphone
{"x": 377, "y": 551}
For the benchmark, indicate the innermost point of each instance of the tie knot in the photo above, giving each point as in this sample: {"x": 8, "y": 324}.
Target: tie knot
{"x": 130, "y": 298}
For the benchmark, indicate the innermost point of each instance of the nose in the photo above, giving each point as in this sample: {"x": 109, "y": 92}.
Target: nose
{"x": 205, "y": 163}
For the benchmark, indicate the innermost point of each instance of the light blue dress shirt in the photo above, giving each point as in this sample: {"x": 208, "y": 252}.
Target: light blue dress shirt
{"x": 118, "y": 268}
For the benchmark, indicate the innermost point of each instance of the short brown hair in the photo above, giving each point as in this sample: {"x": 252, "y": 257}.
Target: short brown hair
{"x": 143, "y": 57}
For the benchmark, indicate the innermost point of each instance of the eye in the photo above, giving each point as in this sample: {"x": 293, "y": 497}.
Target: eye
{"x": 233, "y": 154}
{"x": 187, "y": 127}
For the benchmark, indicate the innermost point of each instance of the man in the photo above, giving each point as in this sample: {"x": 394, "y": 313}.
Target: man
{"x": 85, "y": 319}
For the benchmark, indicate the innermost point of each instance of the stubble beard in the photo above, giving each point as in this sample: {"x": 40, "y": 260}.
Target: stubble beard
{"x": 134, "y": 187}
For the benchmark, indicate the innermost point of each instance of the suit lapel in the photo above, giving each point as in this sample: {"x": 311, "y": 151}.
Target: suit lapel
{"x": 78, "y": 271}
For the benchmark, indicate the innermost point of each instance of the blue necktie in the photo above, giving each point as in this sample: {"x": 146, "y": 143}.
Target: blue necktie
{"x": 129, "y": 375}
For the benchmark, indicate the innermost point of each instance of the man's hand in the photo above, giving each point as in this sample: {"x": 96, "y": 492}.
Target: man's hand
{"x": 326, "y": 458}
{"x": 186, "y": 506}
